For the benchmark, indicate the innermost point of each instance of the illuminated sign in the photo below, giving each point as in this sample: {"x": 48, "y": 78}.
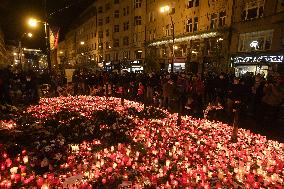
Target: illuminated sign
{"x": 254, "y": 44}
{"x": 257, "y": 59}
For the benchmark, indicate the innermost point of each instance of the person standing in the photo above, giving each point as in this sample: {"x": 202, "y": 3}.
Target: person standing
{"x": 272, "y": 99}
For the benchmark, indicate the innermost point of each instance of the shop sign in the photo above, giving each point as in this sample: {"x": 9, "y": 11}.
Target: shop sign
{"x": 257, "y": 59}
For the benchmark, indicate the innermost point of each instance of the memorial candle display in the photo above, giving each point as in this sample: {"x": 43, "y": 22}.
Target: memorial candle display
{"x": 97, "y": 143}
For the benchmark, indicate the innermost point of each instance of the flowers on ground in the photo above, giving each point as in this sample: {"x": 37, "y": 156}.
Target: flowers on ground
{"x": 94, "y": 142}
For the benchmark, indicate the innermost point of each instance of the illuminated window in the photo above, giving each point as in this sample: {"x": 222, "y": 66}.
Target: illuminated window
{"x": 255, "y": 41}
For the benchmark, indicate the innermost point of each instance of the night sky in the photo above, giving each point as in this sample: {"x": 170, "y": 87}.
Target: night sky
{"x": 14, "y": 15}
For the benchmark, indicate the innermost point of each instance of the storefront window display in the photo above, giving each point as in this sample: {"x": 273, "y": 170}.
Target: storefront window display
{"x": 255, "y": 41}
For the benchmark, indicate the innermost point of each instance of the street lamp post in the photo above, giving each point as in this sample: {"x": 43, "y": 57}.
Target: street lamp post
{"x": 168, "y": 10}
{"x": 33, "y": 23}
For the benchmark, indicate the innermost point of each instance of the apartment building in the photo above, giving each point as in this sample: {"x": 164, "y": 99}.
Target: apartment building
{"x": 108, "y": 32}
{"x": 121, "y": 34}
{"x": 201, "y": 32}
{"x": 258, "y": 38}
{"x": 193, "y": 34}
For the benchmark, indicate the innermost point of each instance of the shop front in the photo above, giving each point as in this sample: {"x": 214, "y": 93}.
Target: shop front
{"x": 179, "y": 64}
{"x": 255, "y": 64}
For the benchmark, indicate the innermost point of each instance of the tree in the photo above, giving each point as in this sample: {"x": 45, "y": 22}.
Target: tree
{"x": 151, "y": 63}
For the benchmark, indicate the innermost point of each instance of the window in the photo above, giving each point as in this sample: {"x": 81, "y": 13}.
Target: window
{"x": 255, "y": 41}
{"x": 188, "y": 26}
{"x": 116, "y": 14}
{"x": 101, "y": 46}
{"x": 126, "y": 54}
{"x": 107, "y": 7}
{"x": 107, "y": 20}
{"x": 195, "y": 26}
{"x": 107, "y": 32}
{"x": 126, "y": 40}
{"x": 100, "y": 10}
{"x": 124, "y": 11}
{"x": 214, "y": 21}
{"x": 125, "y": 26}
{"x": 101, "y": 34}
{"x": 137, "y": 3}
{"x": 116, "y": 28}
{"x": 138, "y": 54}
{"x": 116, "y": 43}
{"x": 135, "y": 38}
{"x": 253, "y": 10}
{"x": 152, "y": 35}
{"x": 190, "y": 4}
{"x": 100, "y": 22}
{"x": 169, "y": 30}
{"x": 116, "y": 2}
{"x": 151, "y": 17}
{"x": 138, "y": 20}
{"x": 95, "y": 46}
{"x": 222, "y": 18}
{"x": 196, "y": 3}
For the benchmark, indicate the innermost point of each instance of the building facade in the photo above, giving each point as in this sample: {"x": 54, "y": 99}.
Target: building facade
{"x": 201, "y": 32}
{"x": 109, "y": 32}
{"x": 258, "y": 38}
{"x": 193, "y": 34}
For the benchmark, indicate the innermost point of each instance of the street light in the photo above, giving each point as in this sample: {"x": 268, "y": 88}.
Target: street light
{"x": 32, "y": 22}
{"x": 167, "y": 9}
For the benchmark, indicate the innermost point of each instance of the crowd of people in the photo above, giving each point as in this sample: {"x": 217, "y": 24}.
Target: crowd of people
{"x": 185, "y": 92}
